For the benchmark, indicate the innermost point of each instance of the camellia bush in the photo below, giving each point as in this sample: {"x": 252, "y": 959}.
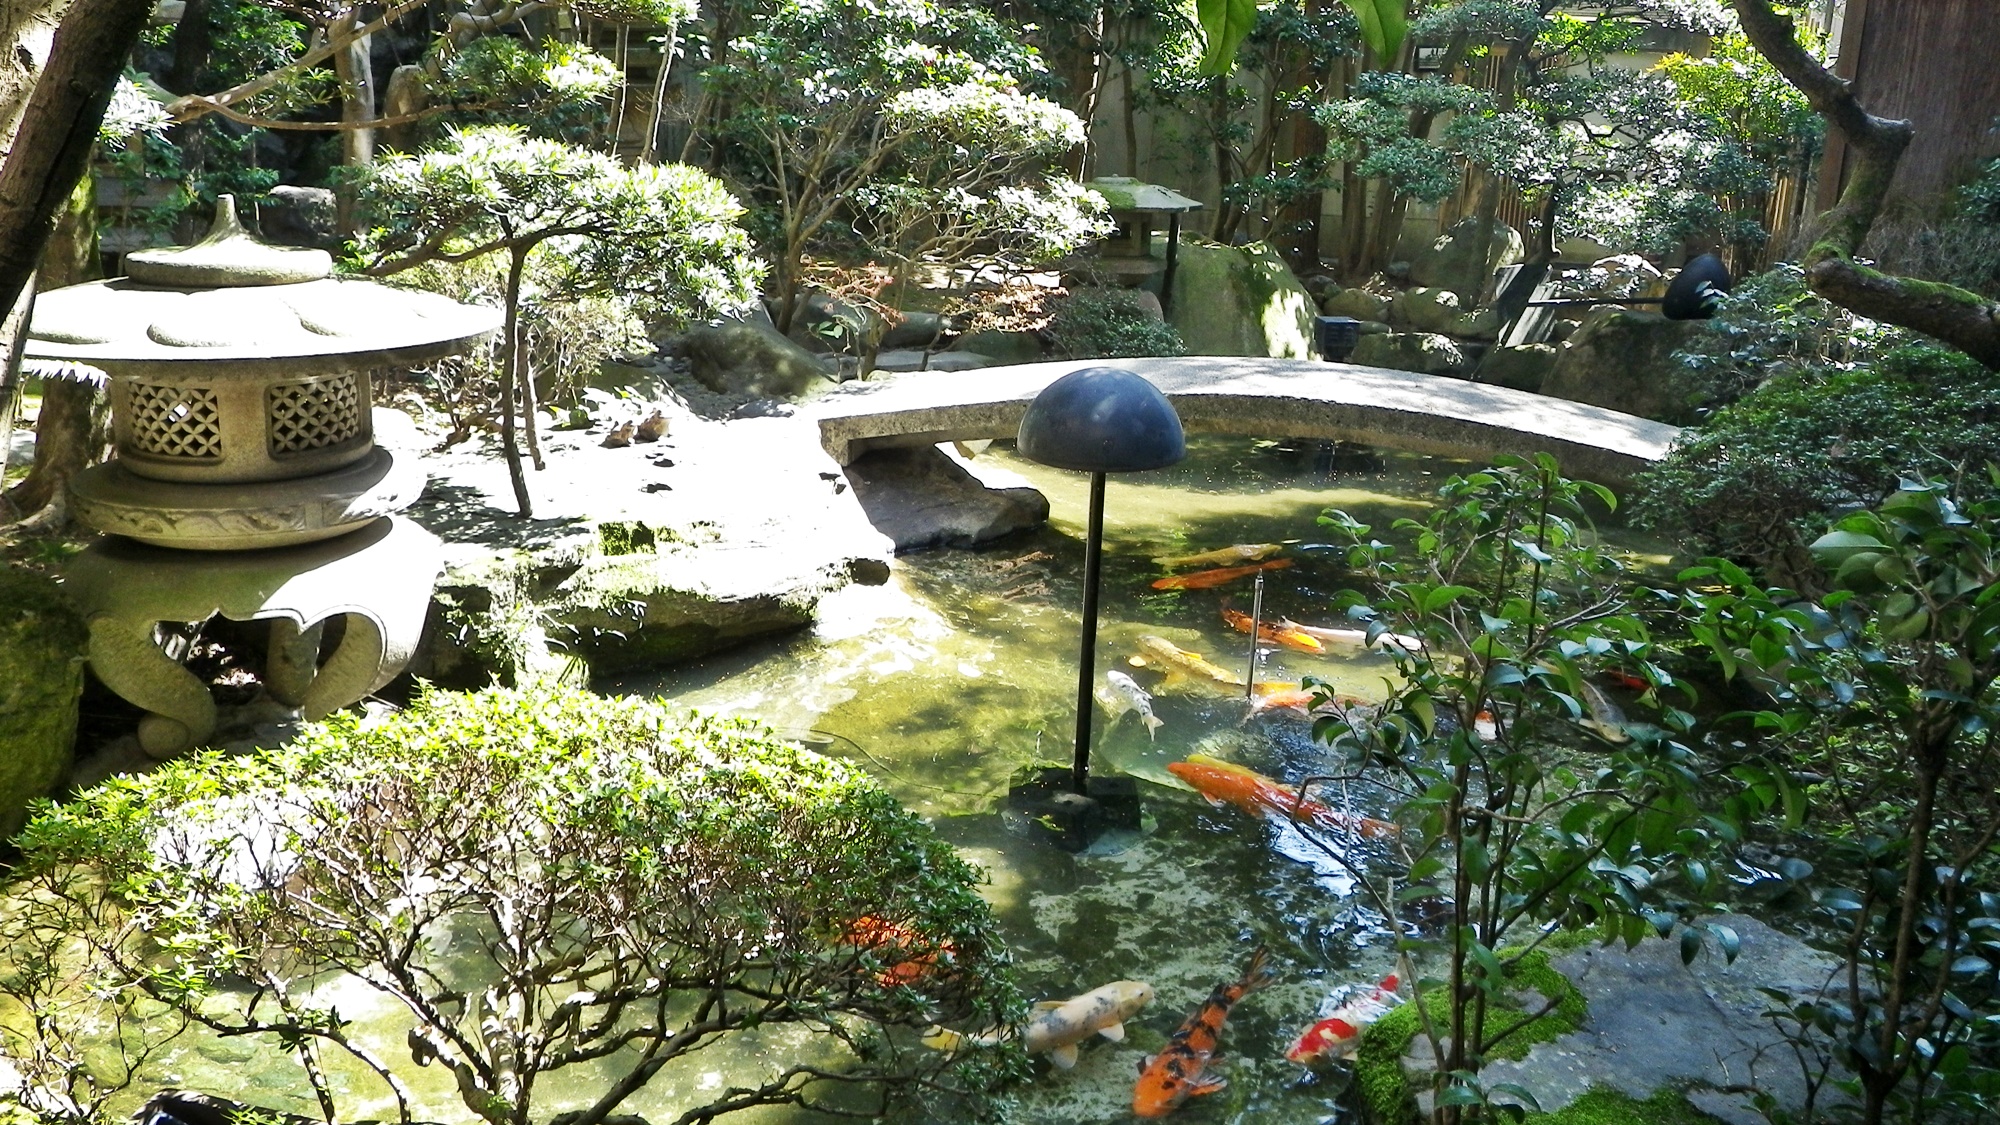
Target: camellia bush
{"x": 1759, "y": 480}
{"x": 540, "y": 880}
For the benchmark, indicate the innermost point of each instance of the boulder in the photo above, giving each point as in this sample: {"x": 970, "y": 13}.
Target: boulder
{"x": 1478, "y": 324}
{"x": 299, "y": 216}
{"x": 1372, "y": 328}
{"x": 1425, "y": 309}
{"x": 747, "y": 358}
{"x": 1625, "y": 275}
{"x": 915, "y": 329}
{"x": 825, "y": 323}
{"x": 1425, "y": 352}
{"x": 43, "y": 645}
{"x": 1523, "y": 367}
{"x": 1001, "y": 347}
{"x": 1579, "y": 249}
{"x": 927, "y": 497}
{"x": 1240, "y": 300}
{"x": 1623, "y": 359}
{"x": 1449, "y": 260}
{"x": 910, "y": 359}
{"x": 1357, "y": 303}
{"x": 1655, "y": 1024}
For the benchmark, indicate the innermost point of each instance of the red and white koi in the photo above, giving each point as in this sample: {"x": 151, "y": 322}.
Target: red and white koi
{"x": 1338, "y": 1035}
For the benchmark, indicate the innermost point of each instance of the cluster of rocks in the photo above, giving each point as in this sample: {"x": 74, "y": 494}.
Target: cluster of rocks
{"x": 1430, "y": 319}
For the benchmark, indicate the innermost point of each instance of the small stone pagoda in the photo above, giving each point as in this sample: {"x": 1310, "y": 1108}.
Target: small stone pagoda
{"x": 247, "y": 480}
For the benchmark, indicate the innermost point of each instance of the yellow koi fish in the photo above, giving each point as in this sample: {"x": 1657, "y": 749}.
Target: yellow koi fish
{"x": 1179, "y": 664}
{"x": 1223, "y": 556}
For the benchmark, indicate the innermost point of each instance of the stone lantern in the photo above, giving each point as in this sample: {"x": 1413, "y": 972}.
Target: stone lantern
{"x": 247, "y": 480}
{"x": 1136, "y": 207}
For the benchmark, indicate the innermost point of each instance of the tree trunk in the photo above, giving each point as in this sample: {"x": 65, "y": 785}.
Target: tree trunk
{"x": 1959, "y": 317}
{"x": 71, "y": 434}
{"x": 509, "y": 442}
{"x": 59, "y": 129}
{"x": 357, "y": 106}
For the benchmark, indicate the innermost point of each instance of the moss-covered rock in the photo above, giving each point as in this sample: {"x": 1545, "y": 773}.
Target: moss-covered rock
{"x": 745, "y": 358}
{"x": 1427, "y": 353}
{"x": 1383, "y": 1071}
{"x": 43, "y": 644}
{"x": 628, "y": 597}
{"x": 1624, "y": 360}
{"x": 1522, "y": 366}
{"x": 1240, "y": 300}
{"x": 1609, "y": 1107}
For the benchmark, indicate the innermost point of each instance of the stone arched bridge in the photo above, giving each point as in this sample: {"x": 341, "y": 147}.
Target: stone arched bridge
{"x": 1266, "y": 398}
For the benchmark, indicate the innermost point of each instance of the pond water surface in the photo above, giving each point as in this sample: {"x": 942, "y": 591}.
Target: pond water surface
{"x": 960, "y": 672}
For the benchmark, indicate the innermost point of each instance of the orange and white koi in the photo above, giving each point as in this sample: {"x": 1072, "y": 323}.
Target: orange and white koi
{"x": 1275, "y": 632}
{"x": 1353, "y": 639}
{"x": 1226, "y": 783}
{"x": 1180, "y": 1071}
{"x": 1223, "y": 556}
{"x": 1203, "y": 579}
{"x": 1338, "y": 1036}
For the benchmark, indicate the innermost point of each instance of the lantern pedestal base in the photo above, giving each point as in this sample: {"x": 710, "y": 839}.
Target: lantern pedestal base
{"x": 1075, "y": 820}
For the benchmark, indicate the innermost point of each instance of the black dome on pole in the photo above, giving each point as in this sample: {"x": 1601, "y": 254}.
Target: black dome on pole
{"x": 1691, "y": 294}
{"x": 1102, "y": 420}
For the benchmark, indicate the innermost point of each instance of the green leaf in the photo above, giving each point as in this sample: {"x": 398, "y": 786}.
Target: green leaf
{"x": 1690, "y": 945}
{"x": 1224, "y": 23}
{"x": 1383, "y": 26}
{"x": 1727, "y": 939}
{"x": 1443, "y": 596}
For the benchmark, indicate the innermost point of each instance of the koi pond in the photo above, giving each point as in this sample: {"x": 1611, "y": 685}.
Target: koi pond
{"x": 961, "y": 672}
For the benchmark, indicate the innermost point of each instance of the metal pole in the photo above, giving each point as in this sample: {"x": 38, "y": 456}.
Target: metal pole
{"x": 1087, "y": 659}
{"x": 1256, "y": 623}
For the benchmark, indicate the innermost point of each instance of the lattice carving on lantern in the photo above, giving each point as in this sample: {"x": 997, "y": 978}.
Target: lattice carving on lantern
{"x": 178, "y": 422}
{"x": 313, "y": 415}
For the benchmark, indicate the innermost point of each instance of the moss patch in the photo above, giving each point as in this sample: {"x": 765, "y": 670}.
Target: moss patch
{"x": 1609, "y": 1107}
{"x": 1387, "y": 1095}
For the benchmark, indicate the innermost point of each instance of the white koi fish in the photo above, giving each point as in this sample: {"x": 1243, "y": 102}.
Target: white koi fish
{"x": 1121, "y": 693}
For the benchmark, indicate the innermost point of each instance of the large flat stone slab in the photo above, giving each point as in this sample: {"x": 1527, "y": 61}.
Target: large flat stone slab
{"x": 1263, "y": 397}
{"x": 1655, "y": 1023}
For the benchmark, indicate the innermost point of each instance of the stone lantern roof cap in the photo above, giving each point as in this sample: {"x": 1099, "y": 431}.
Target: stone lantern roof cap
{"x": 237, "y": 307}
{"x": 1123, "y": 193}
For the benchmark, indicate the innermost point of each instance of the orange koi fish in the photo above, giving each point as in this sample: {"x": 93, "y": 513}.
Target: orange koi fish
{"x": 1339, "y": 1034}
{"x": 1203, "y": 579}
{"x": 1180, "y": 1071}
{"x": 1273, "y": 631}
{"x": 1294, "y": 697}
{"x": 892, "y": 939}
{"x": 1226, "y": 783}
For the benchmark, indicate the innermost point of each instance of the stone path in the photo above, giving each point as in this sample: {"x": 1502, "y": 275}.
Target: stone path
{"x": 1266, "y": 398}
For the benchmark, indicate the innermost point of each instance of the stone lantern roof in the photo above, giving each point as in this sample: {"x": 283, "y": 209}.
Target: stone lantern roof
{"x": 231, "y": 306}
{"x": 1123, "y": 193}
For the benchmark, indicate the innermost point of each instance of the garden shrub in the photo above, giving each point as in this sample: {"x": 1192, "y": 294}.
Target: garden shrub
{"x": 1772, "y": 324}
{"x": 1761, "y": 478}
{"x": 541, "y": 878}
{"x": 1109, "y": 324}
